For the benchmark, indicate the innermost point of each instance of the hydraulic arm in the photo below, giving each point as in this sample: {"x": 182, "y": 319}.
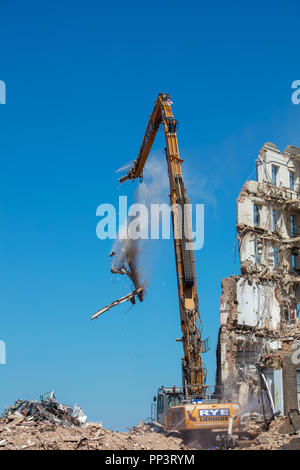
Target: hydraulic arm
{"x": 194, "y": 375}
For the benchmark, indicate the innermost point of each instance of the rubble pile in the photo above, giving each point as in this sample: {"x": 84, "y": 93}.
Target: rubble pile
{"x": 46, "y": 424}
{"x": 17, "y": 433}
{"x": 47, "y": 409}
{"x": 273, "y": 438}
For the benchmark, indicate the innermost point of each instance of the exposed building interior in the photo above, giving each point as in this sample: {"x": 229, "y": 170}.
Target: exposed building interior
{"x": 259, "y": 337}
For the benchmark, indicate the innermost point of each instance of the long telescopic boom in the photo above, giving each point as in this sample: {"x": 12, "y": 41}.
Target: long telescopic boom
{"x": 192, "y": 366}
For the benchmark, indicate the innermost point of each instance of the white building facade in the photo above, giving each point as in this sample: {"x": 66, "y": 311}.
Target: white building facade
{"x": 259, "y": 309}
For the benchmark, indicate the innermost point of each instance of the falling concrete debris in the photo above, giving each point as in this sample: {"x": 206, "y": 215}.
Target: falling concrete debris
{"x": 125, "y": 257}
{"x": 130, "y": 270}
{"x": 138, "y": 292}
{"x": 125, "y": 262}
{"x": 126, "y": 251}
{"x": 259, "y": 311}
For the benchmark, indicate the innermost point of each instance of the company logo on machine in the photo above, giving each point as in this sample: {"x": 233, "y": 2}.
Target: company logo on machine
{"x": 215, "y": 412}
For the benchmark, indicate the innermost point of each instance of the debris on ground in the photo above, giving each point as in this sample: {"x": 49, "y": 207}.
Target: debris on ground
{"x": 18, "y": 434}
{"x": 47, "y": 409}
{"x": 46, "y": 424}
{"x": 254, "y": 436}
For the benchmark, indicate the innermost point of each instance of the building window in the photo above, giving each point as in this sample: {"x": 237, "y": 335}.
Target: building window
{"x": 258, "y": 251}
{"x": 292, "y": 180}
{"x": 256, "y": 215}
{"x": 274, "y": 174}
{"x": 293, "y": 313}
{"x": 256, "y": 255}
{"x": 174, "y": 400}
{"x": 292, "y": 226}
{"x": 274, "y": 220}
{"x": 275, "y": 257}
{"x": 160, "y": 404}
{"x": 293, "y": 261}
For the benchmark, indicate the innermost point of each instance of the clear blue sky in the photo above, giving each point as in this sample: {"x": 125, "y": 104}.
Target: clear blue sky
{"x": 81, "y": 81}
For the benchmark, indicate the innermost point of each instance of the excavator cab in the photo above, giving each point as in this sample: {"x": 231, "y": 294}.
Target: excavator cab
{"x": 167, "y": 398}
{"x": 174, "y": 411}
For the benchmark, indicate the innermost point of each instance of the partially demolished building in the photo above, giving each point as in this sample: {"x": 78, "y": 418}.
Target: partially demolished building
{"x": 259, "y": 337}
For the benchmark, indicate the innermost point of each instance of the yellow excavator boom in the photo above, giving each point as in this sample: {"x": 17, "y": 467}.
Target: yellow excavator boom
{"x": 188, "y": 408}
{"x": 192, "y": 367}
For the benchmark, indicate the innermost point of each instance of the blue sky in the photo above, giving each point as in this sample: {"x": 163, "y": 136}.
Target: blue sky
{"x": 81, "y": 81}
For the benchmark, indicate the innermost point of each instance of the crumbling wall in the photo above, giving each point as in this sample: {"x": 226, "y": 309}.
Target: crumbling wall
{"x": 259, "y": 308}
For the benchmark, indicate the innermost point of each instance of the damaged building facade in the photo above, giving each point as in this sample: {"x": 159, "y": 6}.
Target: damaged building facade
{"x": 259, "y": 337}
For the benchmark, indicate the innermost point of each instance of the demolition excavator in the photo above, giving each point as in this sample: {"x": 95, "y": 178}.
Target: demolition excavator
{"x": 188, "y": 407}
